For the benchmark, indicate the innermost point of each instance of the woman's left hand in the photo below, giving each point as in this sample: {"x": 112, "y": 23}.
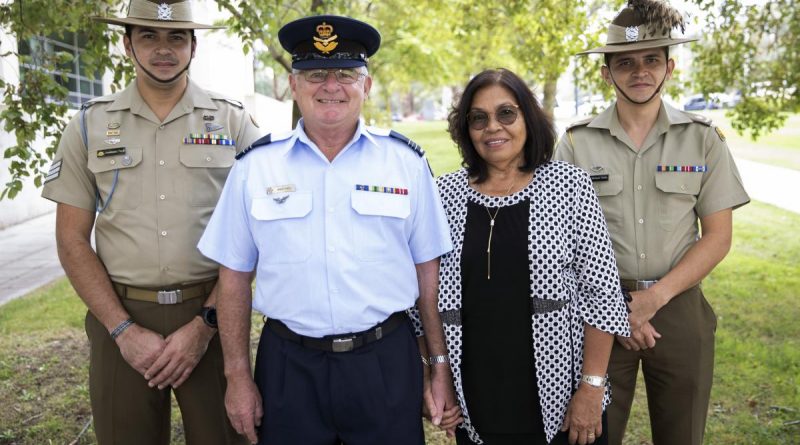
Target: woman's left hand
{"x": 584, "y": 415}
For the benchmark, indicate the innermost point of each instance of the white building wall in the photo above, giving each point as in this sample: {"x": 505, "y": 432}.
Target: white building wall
{"x": 219, "y": 65}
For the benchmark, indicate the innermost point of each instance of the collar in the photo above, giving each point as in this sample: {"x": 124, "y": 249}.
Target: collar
{"x": 667, "y": 116}
{"x": 193, "y": 97}
{"x": 300, "y": 134}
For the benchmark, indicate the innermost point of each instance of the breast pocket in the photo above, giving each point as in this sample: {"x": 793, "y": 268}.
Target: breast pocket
{"x": 677, "y": 196}
{"x": 118, "y": 176}
{"x": 377, "y": 217}
{"x": 609, "y": 194}
{"x": 283, "y": 223}
{"x": 207, "y": 167}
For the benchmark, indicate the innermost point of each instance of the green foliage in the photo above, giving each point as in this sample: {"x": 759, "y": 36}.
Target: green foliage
{"x": 752, "y": 47}
{"x": 35, "y": 106}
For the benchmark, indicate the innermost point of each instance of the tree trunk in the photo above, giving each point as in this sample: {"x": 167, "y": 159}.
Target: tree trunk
{"x": 549, "y": 96}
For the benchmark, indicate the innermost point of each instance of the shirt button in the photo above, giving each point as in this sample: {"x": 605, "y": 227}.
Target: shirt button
{"x": 165, "y": 268}
{"x": 112, "y": 162}
{"x": 331, "y": 249}
{"x": 162, "y": 197}
{"x": 639, "y": 187}
{"x": 330, "y": 209}
{"x": 683, "y": 186}
{"x": 161, "y": 127}
{"x": 208, "y": 159}
{"x": 161, "y": 162}
{"x": 164, "y": 233}
{"x": 641, "y": 220}
{"x": 642, "y": 256}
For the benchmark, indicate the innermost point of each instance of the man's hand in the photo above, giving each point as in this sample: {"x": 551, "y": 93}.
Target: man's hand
{"x": 444, "y": 398}
{"x": 584, "y": 414}
{"x": 244, "y": 406}
{"x": 642, "y": 338}
{"x": 140, "y": 347}
{"x": 183, "y": 350}
{"x": 644, "y": 305}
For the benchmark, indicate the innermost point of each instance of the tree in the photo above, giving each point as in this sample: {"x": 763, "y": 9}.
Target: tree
{"x": 754, "y": 49}
{"x": 36, "y": 105}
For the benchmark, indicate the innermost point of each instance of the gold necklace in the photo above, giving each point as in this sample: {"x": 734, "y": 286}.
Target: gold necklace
{"x": 491, "y": 231}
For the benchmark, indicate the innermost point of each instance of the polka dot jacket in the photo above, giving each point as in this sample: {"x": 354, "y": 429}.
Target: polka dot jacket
{"x": 573, "y": 278}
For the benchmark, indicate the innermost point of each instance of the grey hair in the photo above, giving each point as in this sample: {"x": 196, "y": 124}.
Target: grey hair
{"x": 361, "y": 69}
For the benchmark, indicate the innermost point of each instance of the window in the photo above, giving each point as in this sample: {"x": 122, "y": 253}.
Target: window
{"x": 81, "y": 87}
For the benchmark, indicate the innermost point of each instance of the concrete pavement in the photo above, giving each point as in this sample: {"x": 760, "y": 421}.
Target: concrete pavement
{"x": 28, "y": 256}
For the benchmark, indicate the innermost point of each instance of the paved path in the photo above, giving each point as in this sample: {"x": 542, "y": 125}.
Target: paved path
{"x": 28, "y": 256}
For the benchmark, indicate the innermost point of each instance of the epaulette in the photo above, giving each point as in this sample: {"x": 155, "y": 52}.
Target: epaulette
{"x": 266, "y": 140}
{"x": 411, "y": 144}
{"x": 233, "y": 102}
{"x": 700, "y": 119}
{"x": 97, "y": 100}
{"x": 580, "y": 123}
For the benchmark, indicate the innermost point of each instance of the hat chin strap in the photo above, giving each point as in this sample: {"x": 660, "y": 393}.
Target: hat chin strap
{"x": 658, "y": 90}
{"x": 163, "y": 82}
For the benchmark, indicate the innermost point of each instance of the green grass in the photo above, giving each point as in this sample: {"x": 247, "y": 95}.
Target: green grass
{"x": 780, "y": 148}
{"x": 755, "y": 399}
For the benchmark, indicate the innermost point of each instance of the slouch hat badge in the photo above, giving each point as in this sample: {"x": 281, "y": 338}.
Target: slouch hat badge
{"x": 632, "y": 33}
{"x": 326, "y": 40}
{"x": 164, "y": 12}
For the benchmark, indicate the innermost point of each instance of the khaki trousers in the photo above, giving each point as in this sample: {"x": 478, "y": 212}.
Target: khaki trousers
{"x": 678, "y": 373}
{"x": 127, "y": 411}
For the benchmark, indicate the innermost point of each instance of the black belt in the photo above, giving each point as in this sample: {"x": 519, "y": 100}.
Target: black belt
{"x": 342, "y": 342}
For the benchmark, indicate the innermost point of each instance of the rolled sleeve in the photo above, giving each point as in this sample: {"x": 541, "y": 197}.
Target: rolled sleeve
{"x": 600, "y": 300}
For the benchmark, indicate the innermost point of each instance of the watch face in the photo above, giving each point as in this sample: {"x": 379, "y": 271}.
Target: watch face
{"x": 210, "y": 316}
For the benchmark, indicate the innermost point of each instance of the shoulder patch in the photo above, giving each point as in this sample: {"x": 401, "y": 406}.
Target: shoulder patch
{"x": 411, "y": 144}
{"x": 700, "y": 119}
{"x": 580, "y": 123}
{"x": 266, "y": 140}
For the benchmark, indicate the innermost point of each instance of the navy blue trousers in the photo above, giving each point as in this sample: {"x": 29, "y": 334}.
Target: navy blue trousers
{"x": 369, "y": 396}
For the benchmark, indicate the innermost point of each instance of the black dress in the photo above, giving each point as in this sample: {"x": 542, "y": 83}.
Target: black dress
{"x": 498, "y": 368}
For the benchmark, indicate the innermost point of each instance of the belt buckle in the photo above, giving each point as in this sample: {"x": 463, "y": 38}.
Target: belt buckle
{"x": 645, "y": 284}
{"x": 170, "y": 296}
{"x": 342, "y": 344}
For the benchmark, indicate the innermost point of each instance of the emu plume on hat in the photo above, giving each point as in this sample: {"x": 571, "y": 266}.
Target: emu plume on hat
{"x": 643, "y": 24}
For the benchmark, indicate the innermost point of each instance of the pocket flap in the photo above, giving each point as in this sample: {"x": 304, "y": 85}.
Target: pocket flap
{"x": 679, "y": 182}
{"x": 207, "y": 156}
{"x": 380, "y": 204}
{"x": 104, "y": 159}
{"x": 281, "y": 206}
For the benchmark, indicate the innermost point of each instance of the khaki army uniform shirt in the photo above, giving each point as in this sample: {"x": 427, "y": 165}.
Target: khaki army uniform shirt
{"x": 652, "y": 215}
{"x": 154, "y": 184}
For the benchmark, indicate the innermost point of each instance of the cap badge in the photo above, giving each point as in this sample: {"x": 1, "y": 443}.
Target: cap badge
{"x": 326, "y": 40}
{"x": 632, "y": 33}
{"x": 164, "y": 12}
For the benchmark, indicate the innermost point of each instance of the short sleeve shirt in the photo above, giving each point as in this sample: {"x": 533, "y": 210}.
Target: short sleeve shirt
{"x": 154, "y": 182}
{"x": 334, "y": 243}
{"x": 652, "y": 197}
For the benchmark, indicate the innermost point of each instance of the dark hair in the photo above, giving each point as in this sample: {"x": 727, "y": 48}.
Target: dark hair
{"x": 538, "y": 148}
{"x": 607, "y": 56}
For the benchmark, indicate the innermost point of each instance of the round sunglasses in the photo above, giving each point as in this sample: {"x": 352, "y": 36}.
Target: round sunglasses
{"x": 505, "y": 115}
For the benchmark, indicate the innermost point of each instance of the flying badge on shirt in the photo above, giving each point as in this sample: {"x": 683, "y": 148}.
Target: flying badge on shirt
{"x": 287, "y": 188}
{"x": 210, "y": 126}
{"x": 112, "y": 141}
{"x": 682, "y": 168}
{"x": 113, "y": 125}
{"x": 110, "y": 152}
{"x": 282, "y": 199}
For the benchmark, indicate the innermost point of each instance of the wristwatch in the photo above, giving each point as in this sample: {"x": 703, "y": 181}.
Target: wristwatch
{"x": 209, "y": 316}
{"x": 594, "y": 380}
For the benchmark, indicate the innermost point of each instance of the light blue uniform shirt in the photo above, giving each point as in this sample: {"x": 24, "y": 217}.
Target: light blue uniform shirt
{"x": 331, "y": 258}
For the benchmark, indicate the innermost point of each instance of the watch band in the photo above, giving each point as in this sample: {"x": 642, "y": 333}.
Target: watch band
{"x": 436, "y": 359}
{"x": 594, "y": 380}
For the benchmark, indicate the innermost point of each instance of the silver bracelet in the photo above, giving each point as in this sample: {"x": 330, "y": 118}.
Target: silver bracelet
{"x": 436, "y": 359}
{"x": 121, "y": 328}
{"x": 594, "y": 380}
{"x": 424, "y": 361}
